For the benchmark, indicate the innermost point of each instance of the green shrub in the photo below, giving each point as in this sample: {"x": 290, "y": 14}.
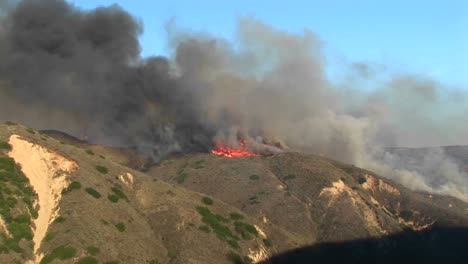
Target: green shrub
{"x": 74, "y": 185}
{"x": 20, "y": 230}
{"x": 102, "y": 169}
{"x": 182, "y": 176}
{"x": 254, "y": 177}
{"x": 4, "y": 145}
{"x": 112, "y": 262}
{"x": 290, "y": 177}
{"x": 222, "y": 231}
{"x": 207, "y": 200}
{"x": 113, "y": 198}
{"x": 23, "y": 218}
{"x": 8, "y": 164}
{"x": 236, "y": 216}
{"x": 61, "y": 252}
{"x": 199, "y": 164}
{"x": 10, "y": 202}
{"x": 102, "y": 157}
{"x": 233, "y": 243}
{"x": 93, "y": 193}
{"x": 59, "y": 220}
{"x": 245, "y": 230}
{"x": 93, "y": 250}
{"x": 9, "y": 123}
{"x": 154, "y": 261}
{"x": 89, "y": 152}
{"x": 49, "y": 236}
{"x": 234, "y": 258}
{"x": 121, "y": 227}
{"x": 119, "y": 193}
{"x": 362, "y": 180}
{"x": 30, "y": 130}
{"x": 267, "y": 242}
{"x": 87, "y": 260}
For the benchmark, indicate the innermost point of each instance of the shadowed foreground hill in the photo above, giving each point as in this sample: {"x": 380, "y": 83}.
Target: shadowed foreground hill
{"x": 435, "y": 245}
{"x": 66, "y": 201}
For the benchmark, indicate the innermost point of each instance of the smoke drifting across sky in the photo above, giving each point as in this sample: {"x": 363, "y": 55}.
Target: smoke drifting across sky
{"x": 80, "y": 72}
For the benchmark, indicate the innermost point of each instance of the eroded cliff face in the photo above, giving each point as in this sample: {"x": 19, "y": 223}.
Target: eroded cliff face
{"x": 47, "y": 172}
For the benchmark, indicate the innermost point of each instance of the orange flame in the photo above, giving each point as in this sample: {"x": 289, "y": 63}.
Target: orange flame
{"x": 227, "y": 151}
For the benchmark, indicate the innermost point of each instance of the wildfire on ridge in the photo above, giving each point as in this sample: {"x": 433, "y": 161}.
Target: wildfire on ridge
{"x": 227, "y": 151}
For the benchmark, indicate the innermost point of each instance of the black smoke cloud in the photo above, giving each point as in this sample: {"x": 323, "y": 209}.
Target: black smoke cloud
{"x": 81, "y": 72}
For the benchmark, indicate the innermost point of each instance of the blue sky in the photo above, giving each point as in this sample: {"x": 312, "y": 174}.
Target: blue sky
{"x": 424, "y": 37}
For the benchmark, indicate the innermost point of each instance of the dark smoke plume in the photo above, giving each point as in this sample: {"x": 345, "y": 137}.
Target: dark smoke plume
{"x": 81, "y": 72}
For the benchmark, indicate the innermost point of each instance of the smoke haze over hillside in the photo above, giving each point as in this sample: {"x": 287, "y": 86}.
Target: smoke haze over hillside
{"x": 80, "y": 72}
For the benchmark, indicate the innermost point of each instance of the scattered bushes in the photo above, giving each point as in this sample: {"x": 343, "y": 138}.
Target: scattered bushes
{"x": 233, "y": 243}
{"x": 89, "y": 152}
{"x": 121, "y": 227}
{"x": 254, "y": 177}
{"x": 245, "y": 230}
{"x": 117, "y": 195}
{"x": 93, "y": 250}
{"x": 182, "y": 176}
{"x": 4, "y": 145}
{"x": 102, "y": 169}
{"x": 49, "y": 236}
{"x": 59, "y": 220}
{"x": 30, "y": 130}
{"x": 113, "y": 198}
{"x": 61, "y": 252}
{"x": 93, "y": 193}
{"x": 119, "y": 192}
{"x": 212, "y": 220}
{"x": 9, "y": 123}
{"x": 236, "y": 216}
{"x": 234, "y": 258}
{"x": 207, "y": 200}
{"x": 267, "y": 242}
{"x": 87, "y": 260}
{"x": 74, "y": 185}
{"x": 14, "y": 189}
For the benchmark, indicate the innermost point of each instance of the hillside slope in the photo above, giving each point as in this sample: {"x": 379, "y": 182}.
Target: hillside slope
{"x": 103, "y": 212}
{"x": 65, "y": 201}
{"x": 314, "y": 198}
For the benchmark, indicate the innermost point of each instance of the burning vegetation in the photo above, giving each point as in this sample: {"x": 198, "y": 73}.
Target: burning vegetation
{"x": 244, "y": 149}
{"x": 241, "y": 151}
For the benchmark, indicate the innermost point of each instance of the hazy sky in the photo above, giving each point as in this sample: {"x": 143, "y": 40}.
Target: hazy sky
{"x": 421, "y": 36}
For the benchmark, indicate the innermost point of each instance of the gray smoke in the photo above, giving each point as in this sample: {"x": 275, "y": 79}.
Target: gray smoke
{"x": 81, "y": 72}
